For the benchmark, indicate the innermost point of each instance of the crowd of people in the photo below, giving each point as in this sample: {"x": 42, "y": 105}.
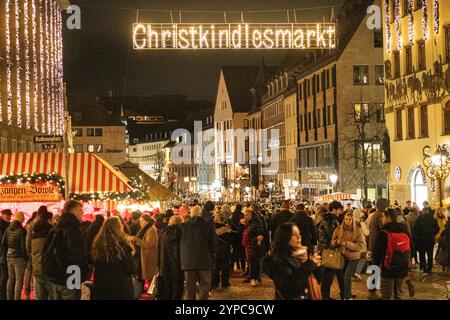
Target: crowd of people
{"x": 193, "y": 248}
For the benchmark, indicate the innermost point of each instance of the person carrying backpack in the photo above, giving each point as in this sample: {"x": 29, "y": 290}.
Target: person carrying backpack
{"x": 66, "y": 246}
{"x": 392, "y": 252}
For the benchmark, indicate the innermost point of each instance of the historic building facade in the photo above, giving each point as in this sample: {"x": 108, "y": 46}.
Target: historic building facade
{"x": 417, "y": 57}
{"x": 31, "y": 72}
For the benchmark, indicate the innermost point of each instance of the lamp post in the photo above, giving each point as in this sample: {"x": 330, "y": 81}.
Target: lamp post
{"x": 333, "y": 179}
{"x": 437, "y": 165}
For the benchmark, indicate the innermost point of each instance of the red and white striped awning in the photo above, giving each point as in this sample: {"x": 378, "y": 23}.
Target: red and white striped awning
{"x": 87, "y": 172}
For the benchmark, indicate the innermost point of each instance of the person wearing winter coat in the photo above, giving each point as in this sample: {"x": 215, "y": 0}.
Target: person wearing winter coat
{"x": 306, "y": 227}
{"x": 394, "y": 269}
{"x": 238, "y": 254}
{"x": 92, "y": 231}
{"x": 425, "y": 230}
{"x": 5, "y": 221}
{"x": 112, "y": 255}
{"x": 442, "y": 222}
{"x": 285, "y": 215}
{"x": 13, "y": 244}
{"x": 197, "y": 250}
{"x": 252, "y": 240}
{"x": 358, "y": 217}
{"x": 289, "y": 265}
{"x": 411, "y": 219}
{"x": 326, "y": 230}
{"x": 349, "y": 238}
{"x": 43, "y": 287}
{"x": 146, "y": 242}
{"x": 169, "y": 261}
{"x": 134, "y": 223}
{"x": 68, "y": 240}
{"x": 225, "y": 236}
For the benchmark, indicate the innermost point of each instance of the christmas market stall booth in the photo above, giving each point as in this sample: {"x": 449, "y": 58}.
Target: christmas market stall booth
{"x": 29, "y": 180}
{"x": 154, "y": 194}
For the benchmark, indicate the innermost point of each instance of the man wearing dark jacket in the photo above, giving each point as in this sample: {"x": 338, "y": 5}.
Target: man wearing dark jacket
{"x": 13, "y": 244}
{"x": 197, "y": 250}
{"x": 252, "y": 240}
{"x": 4, "y": 224}
{"x": 68, "y": 241}
{"x": 326, "y": 230}
{"x": 392, "y": 278}
{"x": 285, "y": 215}
{"x": 425, "y": 229}
{"x": 306, "y": 226}
{"x": 225, "y": 236}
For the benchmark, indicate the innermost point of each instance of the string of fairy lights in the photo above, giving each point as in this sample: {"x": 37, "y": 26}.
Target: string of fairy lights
{"x": 34, "y": 95}
{"x": 397, "y": 21}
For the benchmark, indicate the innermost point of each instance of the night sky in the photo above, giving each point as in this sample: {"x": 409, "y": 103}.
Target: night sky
{"x": 95, "y": 57}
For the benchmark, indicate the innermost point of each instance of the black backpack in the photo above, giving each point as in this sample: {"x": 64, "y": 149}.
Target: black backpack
{"x": 53, "y": 263}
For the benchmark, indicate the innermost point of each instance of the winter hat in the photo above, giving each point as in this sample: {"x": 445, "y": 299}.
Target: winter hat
{"x": 19, "y": 216}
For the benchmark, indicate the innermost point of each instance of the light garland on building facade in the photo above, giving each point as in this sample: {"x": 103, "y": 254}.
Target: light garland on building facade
{"x": 410, "y": 22}
{"x": 18, "y": 68}
{"x": 8, "y": 63}
{"x": 41, "y": 67}
{"x": 35, "y": 66}
{"x": 61, "y": 74}
{"x": 387, "y": 17}
{"x": 52, "y": 68}
{"x": 397, "y": 25}
{"x": 425, "y": 19}
{"x": 47, "y": 66}
{"x": 27, "y": 67}
{"x": 436, "y": 16}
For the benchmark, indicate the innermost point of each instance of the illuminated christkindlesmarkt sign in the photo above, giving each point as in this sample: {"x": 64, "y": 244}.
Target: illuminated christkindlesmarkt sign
{"x": 234, "y": 36}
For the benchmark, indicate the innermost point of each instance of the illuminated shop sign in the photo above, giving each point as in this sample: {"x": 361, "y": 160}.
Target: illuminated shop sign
{"x": 234, "y": 36}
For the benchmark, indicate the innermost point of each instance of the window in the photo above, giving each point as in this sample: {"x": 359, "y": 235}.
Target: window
{"x": 78, "y": 147}
{"x": 361, "y": 111}
{"x": 405, "y": 7}
{"x": 409, "y": 62}
{"x": 301, "y": 123}
{"x": 447, "y": 118}
{"x": 398, "y": 125}
{"x": 379, "y": 74}
{"x": 98, "y": 132}
{"x": 374, "y": 154}
{"x": 309, "y": 121}
{"x": 419, "y": 4}
{"x": 447, "y": 42}
{"x": 78, "y": 132}
{"x": 421, "y": 54}
{"x": 411, "y": 124}
{"x": 245, "y": 123}
{"x": 95, "y": 148}
{"x": 378, "y": 38}
{"x": 360, "y": 75}
{"x": 424, "y": 121}
{"x": 379, "y": 107}
{"x": 396, "y": 64}
{"x": 329, "y": 115}
{"x": 90, "y": 132}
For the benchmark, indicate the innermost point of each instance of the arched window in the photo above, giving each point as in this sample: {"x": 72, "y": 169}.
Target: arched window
{"x": 446, "y": 117}
{"x": 419, "y": 191}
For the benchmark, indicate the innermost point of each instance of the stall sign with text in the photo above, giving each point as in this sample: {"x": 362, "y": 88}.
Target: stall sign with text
{"x": 29, "y": 192}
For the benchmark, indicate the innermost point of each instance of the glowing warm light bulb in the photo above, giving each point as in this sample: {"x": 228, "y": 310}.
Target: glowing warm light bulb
{"x": 35, "y": 67}
{"x": 27, "y": 67}
{"x": 18, "y": 68}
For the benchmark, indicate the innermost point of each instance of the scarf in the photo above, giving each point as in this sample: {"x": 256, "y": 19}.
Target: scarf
{"x": 142, "y": 231}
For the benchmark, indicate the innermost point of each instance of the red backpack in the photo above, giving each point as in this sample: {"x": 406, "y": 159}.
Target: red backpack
{"x": 398, "y": 250}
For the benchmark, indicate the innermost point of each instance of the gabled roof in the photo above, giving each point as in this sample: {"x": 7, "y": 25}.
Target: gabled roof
{"x": 85, "y": 111}
{"x": 239, "y": 80}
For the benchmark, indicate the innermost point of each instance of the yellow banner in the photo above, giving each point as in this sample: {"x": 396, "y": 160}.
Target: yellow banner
{"x": 39, "y": 192}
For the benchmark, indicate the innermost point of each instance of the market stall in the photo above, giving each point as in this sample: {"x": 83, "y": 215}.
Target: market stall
{"x": 29, "y": 180}
{"x": 157, "y": 196}
{"x": 354, "y": 199}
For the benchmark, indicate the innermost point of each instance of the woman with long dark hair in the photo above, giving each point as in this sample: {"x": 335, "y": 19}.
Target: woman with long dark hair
{"x": 112, "y": 255}
{"x": 288, "y": 265}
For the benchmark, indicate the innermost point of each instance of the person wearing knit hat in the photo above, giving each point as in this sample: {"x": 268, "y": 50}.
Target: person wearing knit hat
{"x": 14, "y": 244}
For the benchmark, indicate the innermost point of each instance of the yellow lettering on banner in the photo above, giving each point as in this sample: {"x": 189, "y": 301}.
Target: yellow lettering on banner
{"x": 237, "y": 32}
{"x": 221, "y": 34}
{"x": 29, "y": 193}
{"x": 164, "y": 35}
{"x": 311, "y": 34}
{"x": 203, "y": 37}
{"x": 284, "y": 34}
{"x": 257, "y": 38}
{"x": 139, "y": 42}
{"x": 299, "y": 39}
{"x": 193, "y": 32}
{"x": 150, "y": 35}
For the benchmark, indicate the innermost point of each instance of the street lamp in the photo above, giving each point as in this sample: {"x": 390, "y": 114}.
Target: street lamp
{"x": 437, "y": 165}
{"x": 333, "y": 179}
{"x": 295, "y": 183}
{"x": 270, "y": 184}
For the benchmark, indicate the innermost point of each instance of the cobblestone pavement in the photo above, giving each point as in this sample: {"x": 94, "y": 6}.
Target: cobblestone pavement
{"x": 427, "y": 287}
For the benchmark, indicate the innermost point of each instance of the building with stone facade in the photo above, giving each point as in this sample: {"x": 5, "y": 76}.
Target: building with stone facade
{"x": 341, "y": 92}
{"x": 31, "y": 73}
{"x": 417, "y": 57}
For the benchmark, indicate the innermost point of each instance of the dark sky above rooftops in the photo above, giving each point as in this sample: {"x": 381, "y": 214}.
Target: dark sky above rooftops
{"x": 99, "y": 57}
